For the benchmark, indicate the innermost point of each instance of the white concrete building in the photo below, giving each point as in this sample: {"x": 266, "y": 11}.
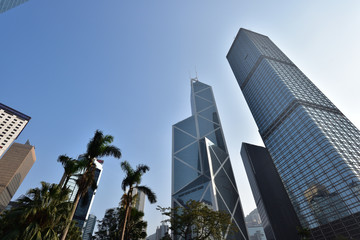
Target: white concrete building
{"x": 12, "y": 122}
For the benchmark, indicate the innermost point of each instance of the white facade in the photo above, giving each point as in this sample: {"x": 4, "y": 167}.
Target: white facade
{"x": 12, "y": 123}
{"x": 139, "y": 200}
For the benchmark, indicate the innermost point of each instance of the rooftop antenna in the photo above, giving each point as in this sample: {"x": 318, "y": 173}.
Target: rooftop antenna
{"x": 196, "y": 73}
{"x": 194, "y": 79}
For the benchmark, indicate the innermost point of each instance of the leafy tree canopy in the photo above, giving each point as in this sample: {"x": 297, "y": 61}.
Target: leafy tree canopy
{"x": 110, "y": 227}
{"x": 41, "y": 214}
{"x": 196, "y": 221}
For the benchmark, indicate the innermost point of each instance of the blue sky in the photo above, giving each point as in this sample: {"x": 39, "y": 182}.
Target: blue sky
{"x": 124, "y": 67}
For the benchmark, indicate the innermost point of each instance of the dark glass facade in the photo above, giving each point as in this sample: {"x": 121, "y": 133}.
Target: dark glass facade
{"x": 201, "y": 167}
{"x": 315, "y": 148}
{"x": 277, "y": 214}
{"x": 84, "y": 206}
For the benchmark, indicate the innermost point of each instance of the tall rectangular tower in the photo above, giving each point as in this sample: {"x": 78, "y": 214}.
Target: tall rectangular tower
{"x": 201, "y": 167}
{"x": 315, "y": 148}
{"x": 12, "y": 122}
{"x": 83, "y": 209}
{"x": 14, "y": 166}
{"x": 277, "y": 213}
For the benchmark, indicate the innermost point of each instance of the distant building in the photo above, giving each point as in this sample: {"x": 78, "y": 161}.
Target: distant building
{"x": 254, "y": 226}
{"x": 256, "y": 233}
{"x": 160, "y": 232}
{"x": 8, "y": 4}
{"x": 12, "y": 122}
{"x": 277, "y": 214}
{"x": 89, "y": 227}
{"x": 139, "y": 202}
{"x": 253, "y": 219}
{"x": 83, "y": 209}
{"x": 14, "y": 166}
{"x": 201, "y": 167}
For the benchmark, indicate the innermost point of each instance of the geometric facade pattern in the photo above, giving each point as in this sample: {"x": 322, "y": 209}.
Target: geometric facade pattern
{"x": 201, "y": 168}
{"x": 315, "y": 148}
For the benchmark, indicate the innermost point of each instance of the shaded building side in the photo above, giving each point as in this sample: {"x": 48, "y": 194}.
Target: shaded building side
{"x": 277, "y": 214}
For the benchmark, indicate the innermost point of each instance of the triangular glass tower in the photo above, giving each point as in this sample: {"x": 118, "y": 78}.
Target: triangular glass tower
{"x": 201, "y": 168}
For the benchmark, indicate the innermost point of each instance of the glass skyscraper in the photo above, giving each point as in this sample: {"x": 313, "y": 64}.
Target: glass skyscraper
{"x": 201, "y": 167}
{"x": 315, "y": 148}
{"x": 83, "y": 208}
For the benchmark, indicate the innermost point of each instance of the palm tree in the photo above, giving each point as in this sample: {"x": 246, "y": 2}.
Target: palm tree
{"x": 71, "y": 166}
{"x": 99, "y": 146}
{"x": 38, "y": 215}
{"x": 129, "y": 183}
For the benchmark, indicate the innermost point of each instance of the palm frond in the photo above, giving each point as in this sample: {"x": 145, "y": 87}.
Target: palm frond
{"x": 111, "y": 151}
{"x": 142, "y": 168}
{"x": 148, "y": 192}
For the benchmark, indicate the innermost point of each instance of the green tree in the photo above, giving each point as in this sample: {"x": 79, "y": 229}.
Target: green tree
{"x": 40, "y": 214}
{"x": 110, "y": 226}
{"x": 131, "y": 181}
{"x": 197, "y": 221}
{"x": 71, "y": 166}
{"x": 98, "y": 146}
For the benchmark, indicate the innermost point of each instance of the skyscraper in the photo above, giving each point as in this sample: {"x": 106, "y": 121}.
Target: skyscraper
{"x": 14, "y": 166}
{"x": 83, "y": 209}
{"x": 315, "y": 148}
{"x": 201, "y": 167}
{"x": 12, "y": 122}
{"x": 278, "y": 216}
{"x": 8, "y": 4}
{"x": 139, "y": 201}
{"x": 89, "y": 227}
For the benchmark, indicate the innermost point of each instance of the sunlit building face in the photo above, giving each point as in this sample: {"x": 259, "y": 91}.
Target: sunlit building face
{"x": 315, "y": 148}
{"x": 201, "y": 167}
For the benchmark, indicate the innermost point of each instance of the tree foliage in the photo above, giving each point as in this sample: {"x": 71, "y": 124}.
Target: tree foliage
{"x": 110, "y": 227}
{"x": 41, "y": 214}
{"x": 131, "y": 181}
{"x": 98, "y": 146}
{"x": 197, "y": 221}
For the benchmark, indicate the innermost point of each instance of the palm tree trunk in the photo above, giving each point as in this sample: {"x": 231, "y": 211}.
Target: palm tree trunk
{"x": 66, "y": 181}
{"x": 76, "y": 202}
{"x": 125, "y": 221}
{"x": 61, "y": 183}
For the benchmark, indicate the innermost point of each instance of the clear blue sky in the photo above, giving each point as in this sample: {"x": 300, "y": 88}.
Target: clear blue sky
{"x": 123, "y": 67}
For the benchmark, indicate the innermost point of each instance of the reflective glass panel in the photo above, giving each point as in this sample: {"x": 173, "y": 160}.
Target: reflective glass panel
{"x": 207, "y": 196}
{"x": 190, "y": 155}
{"x": 206, "y": 126}
{"x": 198, "y": 86}
{"x": 201, "y": 104}
{"x": 183, "y": 175}
{"x": 222, "y": 156}
{"x": 226, "y": 189}
{"x": 210, "y": 114}
{"x": 214, "y": 161}
{"x": 217, "y": 139}
{"x": 181, "y": 139}
{"x": 207, "y": 94}
{"x": 188, "y": 125}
